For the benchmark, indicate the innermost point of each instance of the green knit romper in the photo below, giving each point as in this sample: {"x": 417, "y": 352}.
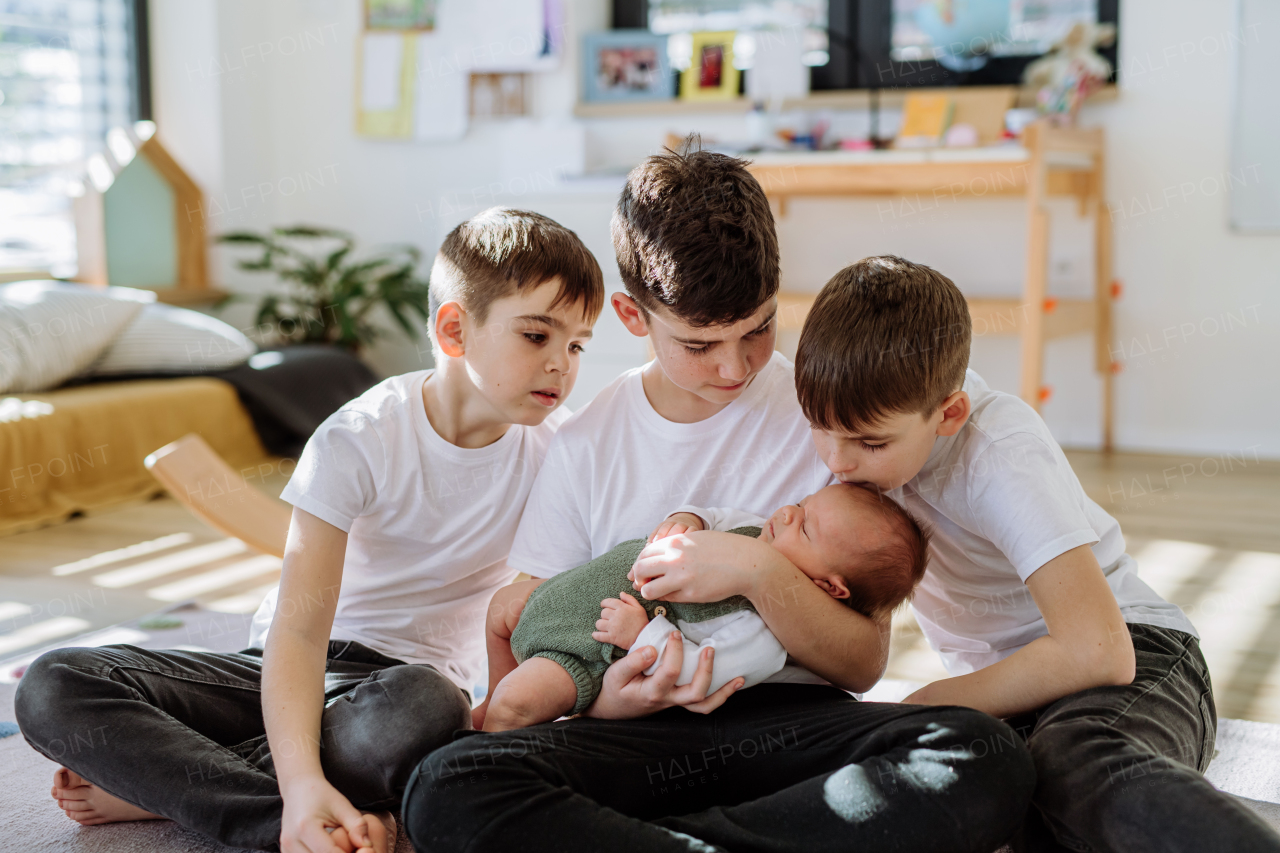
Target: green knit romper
{"x": 560, "y": 616}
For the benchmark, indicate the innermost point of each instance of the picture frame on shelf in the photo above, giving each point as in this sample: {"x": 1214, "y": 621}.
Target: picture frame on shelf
{"x": 625, "y": 65}
{"x": 711, "y": 75}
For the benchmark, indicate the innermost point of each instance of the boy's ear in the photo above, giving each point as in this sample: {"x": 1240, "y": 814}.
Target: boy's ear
{"x": 833, "y": 586}
{"x": 955, "y": 411}
{"x": 630, "y": 314}
{"x": 449, "y": 332}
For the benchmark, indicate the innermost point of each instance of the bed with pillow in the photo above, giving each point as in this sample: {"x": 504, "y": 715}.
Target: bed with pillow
{"x": 94, "y": 379}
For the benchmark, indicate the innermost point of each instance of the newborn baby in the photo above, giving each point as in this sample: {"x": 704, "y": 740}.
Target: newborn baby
{"x": 546, "y": 661}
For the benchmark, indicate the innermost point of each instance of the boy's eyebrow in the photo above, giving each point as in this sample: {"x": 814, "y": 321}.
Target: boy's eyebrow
{"x": 553, "y": 323}
{"x": 542, "y": 318}
{"x": 763, "y": 324}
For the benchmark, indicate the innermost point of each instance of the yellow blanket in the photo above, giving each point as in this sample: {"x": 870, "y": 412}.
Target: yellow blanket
{"x": 81, "y": 449}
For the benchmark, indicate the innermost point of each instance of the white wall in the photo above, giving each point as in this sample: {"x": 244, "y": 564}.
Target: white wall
{"x": 254, "y": 116}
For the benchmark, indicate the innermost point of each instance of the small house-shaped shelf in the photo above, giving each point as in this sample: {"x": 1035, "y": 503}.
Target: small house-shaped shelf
{"x": 140, "y": 220}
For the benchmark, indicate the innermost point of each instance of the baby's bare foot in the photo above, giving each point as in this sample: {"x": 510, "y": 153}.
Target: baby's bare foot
{"x": 89, "y": 805}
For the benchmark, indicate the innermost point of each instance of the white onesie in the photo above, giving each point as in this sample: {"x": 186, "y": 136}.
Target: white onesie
{"x": 744, "y": 644}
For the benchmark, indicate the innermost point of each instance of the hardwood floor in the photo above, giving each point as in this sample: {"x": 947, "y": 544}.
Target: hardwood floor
{"x": 1206, "y": 535}
{"x": 1205, "y": 531}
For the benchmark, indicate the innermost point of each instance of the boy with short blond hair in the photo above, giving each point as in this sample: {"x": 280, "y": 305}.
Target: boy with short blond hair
{"x": 405, "y": 501}
{"x": 712, "y": 421}
{"x": 1030, "y": 598}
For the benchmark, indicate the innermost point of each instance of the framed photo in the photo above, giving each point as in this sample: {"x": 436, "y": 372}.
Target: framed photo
{"x": 711, "y": 75}
{"x": 399, "y": 14}
{"x": 625, "y": 65}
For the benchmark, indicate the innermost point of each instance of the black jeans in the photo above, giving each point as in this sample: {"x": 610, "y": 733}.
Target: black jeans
{"x": 181, "y": 734}
{"x": 780, "y": 767}
{"x": 1119, "y": 768}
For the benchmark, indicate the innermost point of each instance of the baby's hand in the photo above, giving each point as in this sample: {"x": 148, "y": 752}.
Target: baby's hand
{"x": 621, "y": 621}
{"x": 676, "y": 523}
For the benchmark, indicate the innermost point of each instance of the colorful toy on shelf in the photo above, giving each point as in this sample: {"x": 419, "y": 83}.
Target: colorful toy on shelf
{"x": 1063, "y": 78}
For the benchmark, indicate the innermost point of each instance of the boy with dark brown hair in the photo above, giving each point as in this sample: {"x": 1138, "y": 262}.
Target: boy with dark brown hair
{"x": 712, "y": 421}
{"x": 1030, "y": 598}
{"x": 405, "y": 503}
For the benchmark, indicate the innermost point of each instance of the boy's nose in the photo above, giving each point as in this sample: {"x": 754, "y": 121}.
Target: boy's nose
{"x": 735, "y": 369}
{"x": 560, "y": 362}
{"x": 841, "y": 465}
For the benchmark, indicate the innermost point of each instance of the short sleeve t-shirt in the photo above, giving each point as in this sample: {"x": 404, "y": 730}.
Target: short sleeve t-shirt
{"x": 617, "y": 468}
{"x": 1002, "y": 500}
{"x": 429, "y": 524}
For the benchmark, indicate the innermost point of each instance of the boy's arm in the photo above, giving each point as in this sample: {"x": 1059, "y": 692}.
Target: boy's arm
{"x": 1088, "y": 645}
{"x": 826, "y": 637}
{"x": 293, "y": 665}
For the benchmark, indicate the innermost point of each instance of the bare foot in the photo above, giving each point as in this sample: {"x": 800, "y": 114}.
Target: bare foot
{"x": 89, "y": 805}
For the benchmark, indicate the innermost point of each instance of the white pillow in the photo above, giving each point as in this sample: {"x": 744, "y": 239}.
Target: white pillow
{"x": 52, "y": 330}
{"x": 166, "y": 339}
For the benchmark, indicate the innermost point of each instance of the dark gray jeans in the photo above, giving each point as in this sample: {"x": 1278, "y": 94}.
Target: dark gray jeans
{"x": 780, "y": 768}
{"x": 1119, "y": 768}
{"x": 181, "y": 734}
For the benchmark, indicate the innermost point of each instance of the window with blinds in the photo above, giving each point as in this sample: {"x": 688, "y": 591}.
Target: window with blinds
{"x": 68, "y": 73}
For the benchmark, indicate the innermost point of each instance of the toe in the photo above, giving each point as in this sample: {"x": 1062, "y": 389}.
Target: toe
{"x": 93, "y": 820}
{"x": 79, "y": 792}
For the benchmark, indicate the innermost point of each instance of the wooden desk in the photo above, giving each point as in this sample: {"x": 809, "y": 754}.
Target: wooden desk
{"x": 1050, "y": 162}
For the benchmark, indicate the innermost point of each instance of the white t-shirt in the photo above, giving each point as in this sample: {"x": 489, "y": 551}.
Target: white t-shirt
{"x": 616, "y": 468}
{"x": 1002, "y": 501}
{"x": 429, "y": 524}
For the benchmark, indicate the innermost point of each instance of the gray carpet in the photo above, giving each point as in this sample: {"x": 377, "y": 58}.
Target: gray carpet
{"x": 1247, "y": 763}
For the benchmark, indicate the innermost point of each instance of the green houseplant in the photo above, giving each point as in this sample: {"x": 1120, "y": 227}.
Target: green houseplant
{"x": 328, "y": 296}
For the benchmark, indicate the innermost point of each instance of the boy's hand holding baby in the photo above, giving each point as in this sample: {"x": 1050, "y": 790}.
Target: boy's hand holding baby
{"x": 849, "y": 542}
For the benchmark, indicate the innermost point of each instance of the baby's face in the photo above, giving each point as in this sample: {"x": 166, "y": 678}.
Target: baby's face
{"x": 820, "y": 532}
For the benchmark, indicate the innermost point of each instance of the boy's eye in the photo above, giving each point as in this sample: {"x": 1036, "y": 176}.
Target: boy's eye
{"x": 579, "y": 348}
{"x": 873, "y": 447}
{"x": 695, "y": 350}
{"x": 535, "y": 337}
{"x": 760, "y": 331}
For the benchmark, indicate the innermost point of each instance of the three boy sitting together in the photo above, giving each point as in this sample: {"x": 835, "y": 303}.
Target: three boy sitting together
{"x": 419, "y": 501}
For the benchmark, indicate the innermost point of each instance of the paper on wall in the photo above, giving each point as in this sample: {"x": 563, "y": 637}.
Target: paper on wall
{"x": 380, "y": 73}
{"x": 778, "y": 71}
{"x": 441, "y": 92}
{"x": 497, "y": 35}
